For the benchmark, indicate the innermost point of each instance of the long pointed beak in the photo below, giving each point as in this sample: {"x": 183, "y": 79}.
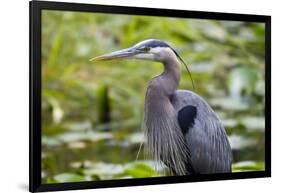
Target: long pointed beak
{"x": 125, "y": 53}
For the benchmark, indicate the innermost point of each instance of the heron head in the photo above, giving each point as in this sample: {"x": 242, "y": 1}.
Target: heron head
{"x": 152, "y": 49}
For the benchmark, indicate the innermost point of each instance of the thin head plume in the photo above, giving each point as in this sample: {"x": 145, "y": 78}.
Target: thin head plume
{"x": 182, "y": 61}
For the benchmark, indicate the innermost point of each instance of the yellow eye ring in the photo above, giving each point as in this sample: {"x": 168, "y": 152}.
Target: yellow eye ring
{"x": 144, "y": 49}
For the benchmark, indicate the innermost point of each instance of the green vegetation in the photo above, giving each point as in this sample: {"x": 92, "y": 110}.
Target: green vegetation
{"x": 92, "y": 112}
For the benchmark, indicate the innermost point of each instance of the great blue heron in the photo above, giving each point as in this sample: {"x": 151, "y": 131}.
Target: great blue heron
{"x": 181, "y": 129}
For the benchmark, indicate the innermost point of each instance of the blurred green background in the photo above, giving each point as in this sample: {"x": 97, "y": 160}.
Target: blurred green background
{"x": 92, "y": 112}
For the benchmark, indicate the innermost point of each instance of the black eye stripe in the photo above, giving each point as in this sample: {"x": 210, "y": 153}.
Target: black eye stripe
{"x": 153, "y": 44}
{"x": 156, "y": 43}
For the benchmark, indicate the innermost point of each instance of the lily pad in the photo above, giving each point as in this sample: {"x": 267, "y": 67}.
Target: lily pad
{"x": 248, "y": 166}
{"x": 70, "y": 177}
{"x": 240, "y": 142}
{"x": 140, "y": 170}
{"x": 254, "y": 123}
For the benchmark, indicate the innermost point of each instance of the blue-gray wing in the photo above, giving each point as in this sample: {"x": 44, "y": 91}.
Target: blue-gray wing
{"x": 204, "y": 133}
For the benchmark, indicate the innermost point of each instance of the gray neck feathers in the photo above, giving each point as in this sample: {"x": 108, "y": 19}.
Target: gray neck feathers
{"x": 165, "y": 139}
{"x": 171, "y": 76}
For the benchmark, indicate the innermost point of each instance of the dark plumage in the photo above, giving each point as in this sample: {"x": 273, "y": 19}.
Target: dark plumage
{"x": 186, "y": 117}
{"x": 153, "y": 43}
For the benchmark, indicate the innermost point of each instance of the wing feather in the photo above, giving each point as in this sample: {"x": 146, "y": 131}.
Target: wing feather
{"x": 206, "y": 137}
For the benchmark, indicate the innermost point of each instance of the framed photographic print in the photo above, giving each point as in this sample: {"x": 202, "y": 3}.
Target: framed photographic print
{"x": 125, "y": 96}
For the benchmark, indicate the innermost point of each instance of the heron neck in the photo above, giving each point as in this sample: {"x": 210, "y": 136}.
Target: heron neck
{"x": 164, "y": 85}
{"x": 168, "y": 81}
{"x": 171, "y": 74}
{"x": 161, "y": 88}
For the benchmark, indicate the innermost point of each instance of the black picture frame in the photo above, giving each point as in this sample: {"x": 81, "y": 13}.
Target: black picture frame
{"x": 35, "y": 8}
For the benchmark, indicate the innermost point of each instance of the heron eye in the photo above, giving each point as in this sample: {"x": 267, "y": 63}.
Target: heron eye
{"x": 145, "y": 49}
